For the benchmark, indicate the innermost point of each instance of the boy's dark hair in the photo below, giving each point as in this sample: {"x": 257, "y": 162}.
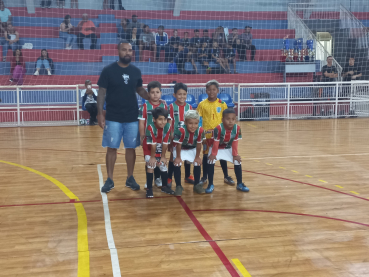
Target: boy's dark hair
{"x": 153, "y": 84}
{"x": 186, "y": 33}
{"x": 179, "y": 86}
{"x": 205, "y": 31}
{"x": 87, "y": 81}
{"x": 196, "y": 30}
{"x": 228, "y": 111}
{"x": 158, "y": 111}
{"x": 234, "y": 29}
{"x": 144, "y": 26}
{"x": 161, "y": 27}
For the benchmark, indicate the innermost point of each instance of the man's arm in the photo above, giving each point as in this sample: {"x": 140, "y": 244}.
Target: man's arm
{"x": 142, "y": 92}
{"x": 100, "y": 107}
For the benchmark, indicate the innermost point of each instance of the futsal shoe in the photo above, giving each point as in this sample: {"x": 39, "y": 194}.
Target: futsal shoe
{"x": 198, "y": 189}
{"x": 158, "y": 182}
{"x": 228, "y": 180}
{"x": 167, "y": 190}
{"x": 149, "y": 193}
{"x": 190, "y": 180}
{"x": 210, "y": 188}
{"x": 203, "y": 181}
{"x": 178, "y": 191}
{"x": 108, "y": 186}
{"x": 131, "y": 183}
{"x": 242, "y": 187}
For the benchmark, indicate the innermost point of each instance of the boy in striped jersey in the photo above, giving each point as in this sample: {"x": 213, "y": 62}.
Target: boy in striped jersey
{"x": 188, "y": 141}
{"x": 225, "y": 147}
{"x": 155, "y": 146}
{"x": 145, "y": 116}
{"x": 177, "y": 112}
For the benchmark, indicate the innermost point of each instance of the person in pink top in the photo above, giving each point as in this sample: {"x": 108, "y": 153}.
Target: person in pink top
{"x": 86, "y": 29}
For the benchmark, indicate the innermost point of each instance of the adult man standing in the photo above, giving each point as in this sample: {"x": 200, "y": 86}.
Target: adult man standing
{"x": 329, "y": 71}
{"x": 246, "y": 41}
{"x": 120, "y": 81}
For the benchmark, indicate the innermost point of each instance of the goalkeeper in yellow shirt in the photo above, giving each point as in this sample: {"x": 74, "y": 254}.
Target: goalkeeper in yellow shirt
{"x": 211, "y": 112}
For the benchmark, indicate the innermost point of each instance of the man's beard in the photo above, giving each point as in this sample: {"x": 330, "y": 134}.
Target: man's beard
{"x": 125, "y": 60}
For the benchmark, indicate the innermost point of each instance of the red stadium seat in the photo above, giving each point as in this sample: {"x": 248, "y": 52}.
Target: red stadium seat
{"x": 147, "y": 55}
{"x": 108, "y": 28}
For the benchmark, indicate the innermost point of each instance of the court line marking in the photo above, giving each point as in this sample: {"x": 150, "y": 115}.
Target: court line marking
{"x": 354, "y": 192}
{"x": 312, "y": 156}
{"x": 323, "y": 181}
{"x": 309, "y": 176}
{"x": 108, "y": 229}
{"x": 339, "y": 186}
{"x": 241, "y": 268}
{"x": 207, "y": 237}
{"x": 82, "y": 236}
{"x": 280, "y": 212}
{"x": 294, "y": 171}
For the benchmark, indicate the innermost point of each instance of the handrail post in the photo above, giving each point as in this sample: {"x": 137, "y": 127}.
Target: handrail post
{"x": 239, "y": 101}
{"x": 288, "y": 99}
{"x": 336, "y": 110}
{"x": 18, "y": 107}
{"x": 77, "y": 101}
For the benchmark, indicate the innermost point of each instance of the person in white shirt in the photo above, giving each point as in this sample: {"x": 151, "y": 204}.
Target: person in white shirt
{"x": 89, "y": 98}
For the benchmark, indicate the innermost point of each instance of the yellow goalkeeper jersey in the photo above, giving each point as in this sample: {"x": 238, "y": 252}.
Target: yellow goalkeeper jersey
{"x": 212, "y": 114}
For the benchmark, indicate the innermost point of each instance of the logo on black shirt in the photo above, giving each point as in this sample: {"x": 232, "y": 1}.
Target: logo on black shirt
{"x": 126, "y": 78}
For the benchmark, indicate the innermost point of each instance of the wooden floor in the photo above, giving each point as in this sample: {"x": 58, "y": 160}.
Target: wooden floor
{"x": 307, "y": 212}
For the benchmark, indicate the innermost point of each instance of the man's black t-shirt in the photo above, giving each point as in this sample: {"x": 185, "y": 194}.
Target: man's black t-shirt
{"x": 353, "y": 68}
{"x": 328, "y": 69}
{"x": 120, "y": 84}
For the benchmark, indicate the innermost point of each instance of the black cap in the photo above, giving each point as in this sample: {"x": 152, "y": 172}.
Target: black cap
{"x": 196, "y": 30}
{"x": 134, "y": 15}
{"x": 248, "y": 27}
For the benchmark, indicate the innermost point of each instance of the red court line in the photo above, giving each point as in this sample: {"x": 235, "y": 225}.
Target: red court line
{"x": 279, "y": 212}
{"x": 140, "y": 198}
{"x": 205, "y": 234}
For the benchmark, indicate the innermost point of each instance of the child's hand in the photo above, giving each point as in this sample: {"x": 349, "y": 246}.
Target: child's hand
{"x": 237, "y": 158}
{"x": 197, "y": 161}
{"x": 142, "y": 137}
{"x": 177, "y": 161}
{"x": 163, "y": 161}
{"x": 152, "y": 162}
{"x": 212, "y": 159}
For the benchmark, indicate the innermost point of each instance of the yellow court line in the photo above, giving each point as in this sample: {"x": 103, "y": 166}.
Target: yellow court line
{"x": 339, "y": 186}
{"x": 323, "y": 181}
{"x": 354, "y": 192}
{"x": 241, "y": 268}
{"x": 82, "y": 239}
{"x": 268, "y": 164}
{"x": 282, "y": 167}
{"x": 257, "y": 161}
{"x": 309, "y": 176}
{"x": 295, "y": 171}
{"x": 251, "y": 125}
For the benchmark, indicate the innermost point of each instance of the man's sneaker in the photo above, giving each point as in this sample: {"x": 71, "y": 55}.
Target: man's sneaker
{"x": 131, "y": 183}
{"x": 169, "y": 182}
{"x": 198, "y": 189}
{"x": 158, "y": 182}
{"x": 228, "y": 180}
{"x": 108, "y": 186}
{"x": 209, "y": 189}
{"x": 178, "y": 191}
{"x": 145, "y": 185}
{"x": 36, "y": 73}
{"x": 190, "y": 180}
{"x": 49, "y": 73}
{"x": 149, "y": 193}
{"x": 242, "y": 187}
{"x": 203, "y": 181}
{"x": 167, "y": 190}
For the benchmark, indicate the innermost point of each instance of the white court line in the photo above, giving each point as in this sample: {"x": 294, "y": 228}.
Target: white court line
{"x": 109, "y": 232}
{"x": 316, "y": 156}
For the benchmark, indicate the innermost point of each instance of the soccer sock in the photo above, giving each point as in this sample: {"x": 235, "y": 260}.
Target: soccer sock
{"x": 211, "y": 173}
{"x": 177, "y": 175}
{"x": 149, "y": 177}
{"x": 238, "y": 172}
{"x": 205, "y": 166}
{"x": 164, "y": 178}
{"x": 223, "y": 164}
{"x": 157, "y": 172}
{"x": 197, "y": 173}
{"x": 170, "y": 169}
{"x": 187, "y": 169}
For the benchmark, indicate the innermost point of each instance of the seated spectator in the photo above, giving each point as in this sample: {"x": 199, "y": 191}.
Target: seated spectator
{"x": 135, "y": 23}
{"x": 351, "y": 72}
{"x": 195, "y": 42}
{"x": 112, "y": 5}
{"x": 46, "y": 4}
{"x": 133, "y": 38}
{"x": 203, "y": 56}
{"x": 74, "y": 4}
{"x": 174, "y": 42}
{"x": 180, "y": 59}
{"x": 147, "y": 40}
{"x": 192, "y": 56}
{"x": 206, "y": 38}
{"x": 219, "y": 37}
{"x": 44, "y": 62}
{"x": 5, "y": 14}
{"x": 185, "y": 41}
{"x": 65, "y": 32}
{"x": 122, "y": 35}
{"x": 162, "y": 43}
{"x": 230, "y": 57}
{"x": 89, "y": 98}
{"x": 86, "y": 29}
{"x": 215, "y": 56}
{"x": 233, "y": 37}
{"x": 17, "y": 68}
{"x": 12, "y": 40}
{"x": 246, "y": 41}
{"x": 60, "y": 4}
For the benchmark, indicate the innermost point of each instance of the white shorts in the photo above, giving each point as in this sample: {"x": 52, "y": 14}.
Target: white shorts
{"x": 161, "y": 166}
{"x": 224, "y": 154}
{"x": 186, "y": 154}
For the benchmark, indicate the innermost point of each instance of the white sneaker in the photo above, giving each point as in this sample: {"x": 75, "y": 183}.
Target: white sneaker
{"x": 158, "y": 182}
{"x": 145, "y": 186}
{"x": 48, "y": 73}
{"x": 36, "y": 73}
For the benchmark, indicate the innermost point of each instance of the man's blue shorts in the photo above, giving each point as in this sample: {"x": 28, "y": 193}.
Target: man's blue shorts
{"x": 115, "y": 131}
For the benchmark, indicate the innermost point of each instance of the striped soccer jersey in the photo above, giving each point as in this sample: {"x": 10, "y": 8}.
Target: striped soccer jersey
{"x": 158, "y": 137}
{"x": 187, "y": 139}
{"x": 226, "y": 137}
{"x": 177, "y": 114}
{"x": 145, "y": 112}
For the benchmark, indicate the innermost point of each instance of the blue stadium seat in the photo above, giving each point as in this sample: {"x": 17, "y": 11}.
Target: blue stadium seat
{"x": 168, "y": 98}
{"x": 191, "y": 100}
{"x": 202, "y": 97}
{"x": 227, "y": 99}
